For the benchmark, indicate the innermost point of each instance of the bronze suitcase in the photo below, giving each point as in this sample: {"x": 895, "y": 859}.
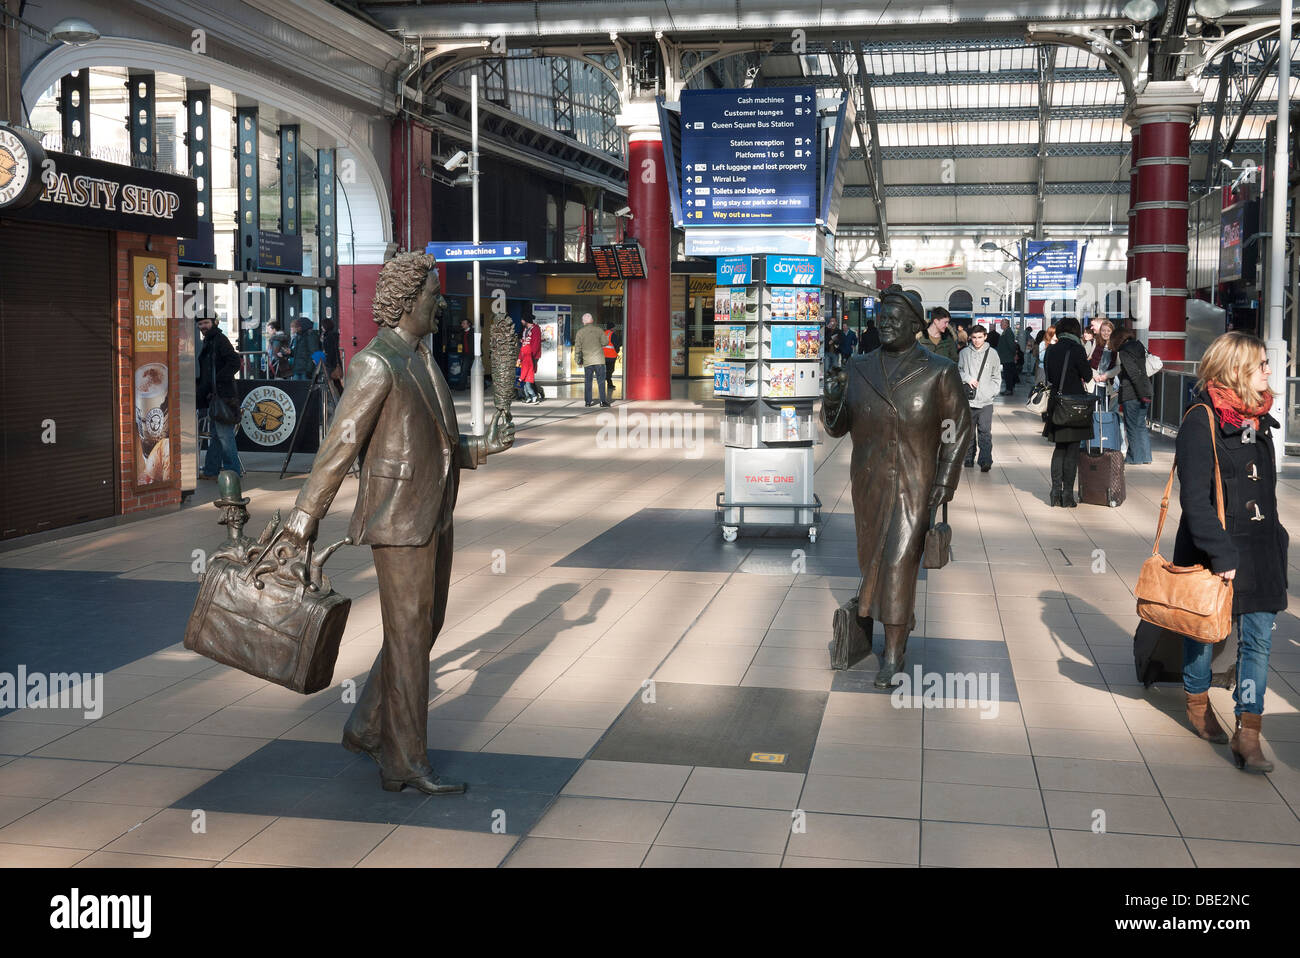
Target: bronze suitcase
{"x": 938, "y": 543}
{"x": 279, "y": 621}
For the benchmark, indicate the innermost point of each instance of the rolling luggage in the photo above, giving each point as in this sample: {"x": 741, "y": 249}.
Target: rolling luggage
{"x": 270, "y": 614}
{"x": 1101, "y": 466}
{"x": 1158, "y": 657}
{"x": 1106, "y": 429}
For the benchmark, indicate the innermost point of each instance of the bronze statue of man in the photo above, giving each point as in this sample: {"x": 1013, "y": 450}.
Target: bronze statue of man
{"x": 906, "y": 410}
{"x": 397, "y": 414}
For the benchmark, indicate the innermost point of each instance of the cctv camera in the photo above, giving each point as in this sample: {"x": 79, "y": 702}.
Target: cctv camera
{"x": 1226, "y": 162}
{"x": 623, "y": 211}
{"x": 459, "y": 157}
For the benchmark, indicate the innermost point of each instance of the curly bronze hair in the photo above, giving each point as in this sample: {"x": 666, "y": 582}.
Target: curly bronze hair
{"x": 399, "y": 285}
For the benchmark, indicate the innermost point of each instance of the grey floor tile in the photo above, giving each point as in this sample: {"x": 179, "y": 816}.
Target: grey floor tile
{"x": 984, "y": 804}
{"x": 878, "y": 797}
{"x": 979, "y": 768}
{"x": 731, "y": 829}
{"x": 667, "y": 856}
{"x": 597, "y": 779}
{"x": 574, "y": 853}
{"x": 857, "y": 838}
{"x": 603, "y": 819}
{"x": 1076, "y": 849}
{"x": 985, "y": 846}
{"x": 741, "y": 787}
{"x": 1109, "y": 813}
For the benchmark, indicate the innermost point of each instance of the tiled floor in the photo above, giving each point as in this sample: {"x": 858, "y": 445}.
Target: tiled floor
{"x": 608, "y": 667}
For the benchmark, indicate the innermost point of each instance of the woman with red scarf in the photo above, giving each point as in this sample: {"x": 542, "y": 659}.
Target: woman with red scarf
{"x": 1252, "y": 551}
{"x": 530, "y": 347}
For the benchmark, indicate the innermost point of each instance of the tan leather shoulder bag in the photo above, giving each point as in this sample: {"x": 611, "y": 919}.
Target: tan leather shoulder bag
{"x": 1190, "y": 600}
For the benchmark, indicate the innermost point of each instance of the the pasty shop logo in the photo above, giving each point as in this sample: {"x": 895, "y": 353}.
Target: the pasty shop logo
{"x": 267, "y": 415}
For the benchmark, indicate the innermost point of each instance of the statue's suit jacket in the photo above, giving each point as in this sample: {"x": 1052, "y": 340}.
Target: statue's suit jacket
{"x": 397, "y": 411}
{"x": 909, "y": 435}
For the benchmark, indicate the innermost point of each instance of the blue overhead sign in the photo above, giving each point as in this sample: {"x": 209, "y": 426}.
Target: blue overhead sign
{"x": 794, "y": 270}
{"x": 749, "y": 157}
{"x": 464, "y": 252}
{"x": 734, "y": 270}
{"x": 1052, "y": 268}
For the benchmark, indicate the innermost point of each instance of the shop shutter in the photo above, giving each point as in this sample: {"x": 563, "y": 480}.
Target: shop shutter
{"x": 56, "y": 367}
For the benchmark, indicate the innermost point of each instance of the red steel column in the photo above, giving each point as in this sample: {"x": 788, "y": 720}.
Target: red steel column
{"x": 648, "y": 369}
{"x": 1163, "y": 115}
{"x": 1132, "y": 204}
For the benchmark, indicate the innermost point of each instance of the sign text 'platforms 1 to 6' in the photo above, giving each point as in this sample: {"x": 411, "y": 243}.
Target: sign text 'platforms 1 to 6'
{"x": 465, "y": 252}
{"x": 749, "y": 157}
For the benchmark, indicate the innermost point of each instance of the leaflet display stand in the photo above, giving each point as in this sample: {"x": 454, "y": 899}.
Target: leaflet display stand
{"x": 768, "y": 367}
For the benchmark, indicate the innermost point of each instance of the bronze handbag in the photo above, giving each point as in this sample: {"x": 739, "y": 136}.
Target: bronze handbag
{"x": 271, "y": 614}
{"x": 1190, "y": 600}
{"x": 938, "y": 542}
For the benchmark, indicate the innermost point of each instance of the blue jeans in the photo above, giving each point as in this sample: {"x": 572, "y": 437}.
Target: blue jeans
{"x": 1254, "y": 639}
{"x": 1139, "y": 433}
{"x": 221, "y": 450}
{"x": 599, "y": 373}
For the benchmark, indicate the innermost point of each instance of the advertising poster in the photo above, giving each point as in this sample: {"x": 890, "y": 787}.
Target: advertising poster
{"x": 151, "y": 318}
{"x": 679, "y": 342}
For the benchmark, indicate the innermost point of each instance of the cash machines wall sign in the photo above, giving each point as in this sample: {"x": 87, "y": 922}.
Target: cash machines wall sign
{"x": 21, "y": 157}
{"x": 267, "y": 415}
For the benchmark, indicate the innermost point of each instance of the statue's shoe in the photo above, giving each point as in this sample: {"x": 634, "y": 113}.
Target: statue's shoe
{"x": 429, "y": 784}
{"x": 888, "y": 669}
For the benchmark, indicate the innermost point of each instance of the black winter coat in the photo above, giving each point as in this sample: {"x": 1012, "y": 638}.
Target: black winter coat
{"x": 1255, "y": 547}
{"x": 217, "y": 364}
{"x": 1069, "y": 357}
{"x": 1133, "y": 380}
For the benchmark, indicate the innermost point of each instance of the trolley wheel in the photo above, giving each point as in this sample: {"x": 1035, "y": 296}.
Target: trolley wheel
{"x": 812, "y": 533}
{"x": 729, "y": 533}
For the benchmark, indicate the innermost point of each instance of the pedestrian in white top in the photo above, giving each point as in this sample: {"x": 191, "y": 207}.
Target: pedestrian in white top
{"x": 982, "y": 377}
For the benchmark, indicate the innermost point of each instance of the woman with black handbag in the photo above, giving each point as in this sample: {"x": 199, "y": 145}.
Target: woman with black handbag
{"x": 1250, "y": 548}
{"x": 1068, "y": 417}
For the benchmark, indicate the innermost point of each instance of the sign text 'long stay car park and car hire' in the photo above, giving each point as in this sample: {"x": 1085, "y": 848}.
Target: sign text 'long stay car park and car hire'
{"x": 749, "y": 157}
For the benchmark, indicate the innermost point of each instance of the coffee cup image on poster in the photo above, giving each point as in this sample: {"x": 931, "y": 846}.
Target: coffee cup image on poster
{"x": 151, "y": 380}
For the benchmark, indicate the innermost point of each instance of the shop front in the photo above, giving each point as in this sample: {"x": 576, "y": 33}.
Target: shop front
{"x": 90, "y": 374}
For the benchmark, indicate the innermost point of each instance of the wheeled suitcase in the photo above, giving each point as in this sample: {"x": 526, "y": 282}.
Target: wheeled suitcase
{"x": 1101, "y": 465}
{"x": 1106, "y": 430}
{"x": 1158, "y": 657}
{"x": 272, "y": 615}
{"x": 1101, "y": 478}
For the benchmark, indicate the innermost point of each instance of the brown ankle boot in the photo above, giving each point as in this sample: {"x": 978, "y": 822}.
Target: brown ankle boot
{"x": 1201, "y": 716}
{"x": 1245, "y": 744}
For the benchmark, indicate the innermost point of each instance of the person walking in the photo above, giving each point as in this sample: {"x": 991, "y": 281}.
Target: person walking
{"x": 329, "y": 342}
{"x": 530, "y": 348}
{"x": 983, "y": 381}
{"x": 304, "y": 345}
{"x": 1251, "y": 552}
{"x": 1007, "y": 357}
{"x": 937, "y": 337}
{"x": 217, "y": 364}
{"x": 869, "y": 341}
{"x": 848, "y": 343}
{"x": 831, "y": 345}
{"x": 613, "y": 343}
{"x": 589, "y": 353}
{"x": 276, "y": 346}
{"x": 1066, "y": 369}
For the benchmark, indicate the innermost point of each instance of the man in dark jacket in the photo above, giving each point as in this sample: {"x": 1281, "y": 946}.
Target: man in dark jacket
{"x": 218, "y": 362}
{"x": 1006, "y": 348}
{"x": 304, "y": 345}
{"x": 870, "y": 339}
